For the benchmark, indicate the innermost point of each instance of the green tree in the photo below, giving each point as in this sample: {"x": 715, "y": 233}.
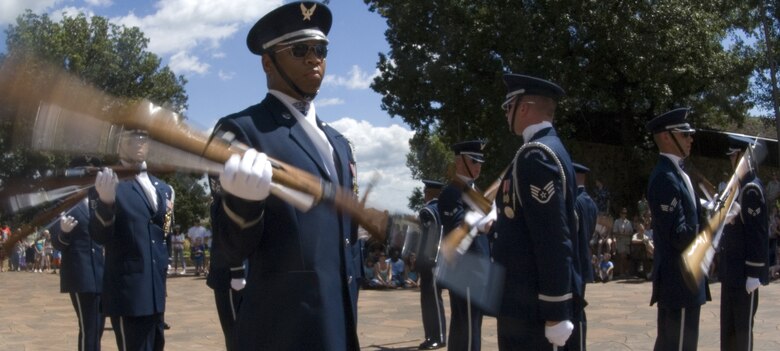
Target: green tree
{"x": 109, "y": 57}
{"x": 428, "y": 158}
{"x": 621, "y": 63}
{"x": 192, "y": 201}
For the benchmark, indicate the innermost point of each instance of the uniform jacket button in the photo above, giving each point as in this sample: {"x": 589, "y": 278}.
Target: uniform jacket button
{"x": 349, "y": 280}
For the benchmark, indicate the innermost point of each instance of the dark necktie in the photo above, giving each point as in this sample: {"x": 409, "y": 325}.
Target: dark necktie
{"x": 301, "y": 106}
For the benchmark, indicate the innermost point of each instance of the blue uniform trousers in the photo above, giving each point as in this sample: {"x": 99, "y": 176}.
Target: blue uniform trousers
{"x": 465, "y": 325}
{"x": 91, "y": 320}
{"x": 678, "y": 329}
{"x": 142, "y": 333}
{"x": 434, "y": 321}
{"x": 737, "y": 311}
{"x": 228, "y": 302}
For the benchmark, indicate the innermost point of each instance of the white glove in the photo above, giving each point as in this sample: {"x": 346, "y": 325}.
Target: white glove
{"x": 484, "y": 224}
{"x": 105, "y": 184}
{"x": 67, "y": 223}
{"x": 237, "y": 283}
{"x": 248, "y": 176}
{"x": 751, "y": 284}
{"x": 559, "y": 333}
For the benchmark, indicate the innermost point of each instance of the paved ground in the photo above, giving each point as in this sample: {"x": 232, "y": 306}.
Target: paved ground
{"x": 35, "y": 316}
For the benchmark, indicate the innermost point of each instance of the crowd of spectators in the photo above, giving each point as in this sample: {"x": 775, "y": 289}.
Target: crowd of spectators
{"x": 32, "y": 254}
{"x": 384, "y": 268}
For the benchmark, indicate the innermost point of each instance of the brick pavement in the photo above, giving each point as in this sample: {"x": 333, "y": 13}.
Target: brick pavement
{"x": 35, "y": 316}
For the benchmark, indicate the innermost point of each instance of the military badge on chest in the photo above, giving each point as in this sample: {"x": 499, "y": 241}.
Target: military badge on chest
{"x": 508, "y": 198}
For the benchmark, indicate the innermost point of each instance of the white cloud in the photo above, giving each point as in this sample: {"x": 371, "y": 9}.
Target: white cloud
{"x": 188, "y": 25}
{"x": 98, "y": 2}
{"x": 184, "y": 24}
{"x": 218, "y": 55}
{"x": 225, "y": 75}
{"x": 182, "y": 62}
{"x": 356, "y": 79}
{"x": 329, "y": 101}
{"x": 10, "y": 9}
{"x": 57, "y": 15}
{"x": 381, "y": 151}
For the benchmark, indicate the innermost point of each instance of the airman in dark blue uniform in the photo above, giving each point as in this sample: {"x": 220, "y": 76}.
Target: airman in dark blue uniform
{"x": 81, "y": 272}
{"x": 431, "y": 304}
{"x": 127, "y": 217}
{"x": 587, "y": 212}
{"x": 465, "y": 319}
{"x": 675, "y": 212}
{"x": 536, "y": 225}
{"x": 302, "y": 284}
{"x": 743, "y": 264}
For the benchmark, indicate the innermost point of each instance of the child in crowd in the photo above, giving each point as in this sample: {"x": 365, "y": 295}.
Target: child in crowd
{"x": 398, "y": 268}
{"x": 605, "y": 268}
{"x": 382, "y": 271}
{"x": 197, "y": 251}
{"x": 412, "y": 278}
{"x": 369, "y": 272}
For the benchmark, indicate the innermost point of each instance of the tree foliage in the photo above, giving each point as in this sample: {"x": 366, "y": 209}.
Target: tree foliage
{"x": 109, "y": 57}
{"x": 621, "y": 63}
{"x": 430, "y": 159}
{"x": 192, "y": 201}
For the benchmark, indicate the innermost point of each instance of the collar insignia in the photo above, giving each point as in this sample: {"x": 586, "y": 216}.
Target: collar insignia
{"x": 754, "y": 212}
{"x": 307, "y": 13}
{"x": 544, "y": 194}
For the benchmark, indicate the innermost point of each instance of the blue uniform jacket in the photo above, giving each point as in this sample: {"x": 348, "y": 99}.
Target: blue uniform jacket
{"x": 452, "y": 211}
{"x": 432, "y": 232}
{"x": 675, "y": 225}
{"x": 745, "y": 243}
{"x": 303, "y": 265}
{"x": 587, "y": 213}
{"x": 535, "y": 227}
{"x": 136, "y": 256}
{"x": 81, "y": 270}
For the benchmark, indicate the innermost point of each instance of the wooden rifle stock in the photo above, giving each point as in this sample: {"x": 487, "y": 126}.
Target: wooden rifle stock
{"x": 483, "y": 203}
{"x": 697, "y": 258}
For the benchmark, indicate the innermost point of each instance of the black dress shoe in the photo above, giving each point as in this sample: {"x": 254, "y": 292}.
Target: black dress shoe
{"x": 429, "y": 344}
{"x": 166, "y": 326}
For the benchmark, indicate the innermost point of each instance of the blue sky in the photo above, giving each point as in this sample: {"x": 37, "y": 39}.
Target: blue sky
{"x": 204, "y": 40}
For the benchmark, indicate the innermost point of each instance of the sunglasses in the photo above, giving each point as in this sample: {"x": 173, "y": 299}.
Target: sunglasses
{"x": 300, "y": 50}
{"x": 686, "y": 134}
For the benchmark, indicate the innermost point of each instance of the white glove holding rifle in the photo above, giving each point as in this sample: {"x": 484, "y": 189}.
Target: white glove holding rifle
{"x": 248, "y": 176}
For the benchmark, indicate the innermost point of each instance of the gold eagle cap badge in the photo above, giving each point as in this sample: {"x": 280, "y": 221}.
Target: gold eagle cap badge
{"x": 307, "y": 13}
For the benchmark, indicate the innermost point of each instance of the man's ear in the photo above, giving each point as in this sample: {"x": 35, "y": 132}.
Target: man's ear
{"x": 267, "y": 63}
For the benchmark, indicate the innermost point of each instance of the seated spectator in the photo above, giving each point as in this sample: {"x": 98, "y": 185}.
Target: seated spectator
{"x": 412, "y": 278}
{"x": 642, "y": 249}
{"x": 397, "y": 268}
{"x": 602, "y": 240}
{"x": 370, "y": 281}
{"x": 382, "y": 272}
{"x": 606, "y": 268}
